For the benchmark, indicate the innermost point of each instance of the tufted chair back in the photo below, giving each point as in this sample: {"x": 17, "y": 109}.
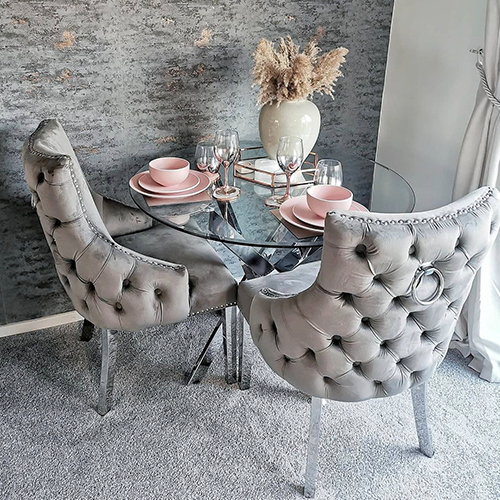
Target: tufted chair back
{"x": 380, "y": 315}
{"x": 111, "y": 286}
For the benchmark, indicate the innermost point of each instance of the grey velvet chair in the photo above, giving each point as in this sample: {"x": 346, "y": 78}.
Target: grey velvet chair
{"x": 376, "y": 316}
{"x": 120, "y": 271}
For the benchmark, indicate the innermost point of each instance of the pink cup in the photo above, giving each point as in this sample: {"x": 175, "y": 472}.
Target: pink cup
{"x": 169, "y": 171}
{"x": 324, "y": 198}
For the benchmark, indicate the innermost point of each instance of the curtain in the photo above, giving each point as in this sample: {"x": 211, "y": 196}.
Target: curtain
{"x": 478, "y": 331}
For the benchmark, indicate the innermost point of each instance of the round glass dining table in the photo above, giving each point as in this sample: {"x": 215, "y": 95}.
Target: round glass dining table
{"x": 248, "y": 221}
{"x": 256, "y": 235}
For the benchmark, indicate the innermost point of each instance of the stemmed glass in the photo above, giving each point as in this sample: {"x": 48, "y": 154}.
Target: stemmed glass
{"x": 328, "y": 172}
{"x": 290, "y": 155}
{"x": 227, "y": 151}
{"x": 205, "y": 156}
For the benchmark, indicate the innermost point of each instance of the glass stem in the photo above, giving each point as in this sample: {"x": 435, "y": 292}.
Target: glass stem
{"x": 226, "y": 171}
{"x": 287, "y": 192}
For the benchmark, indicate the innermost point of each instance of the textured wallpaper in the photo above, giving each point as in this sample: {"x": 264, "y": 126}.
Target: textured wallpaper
{"x": 131, "y": 80}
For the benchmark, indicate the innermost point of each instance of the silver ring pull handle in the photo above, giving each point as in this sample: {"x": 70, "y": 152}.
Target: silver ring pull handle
{"x": 422, "y": 271}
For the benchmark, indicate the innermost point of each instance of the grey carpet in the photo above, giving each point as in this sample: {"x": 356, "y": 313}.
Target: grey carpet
{"x": 164, "y": 440}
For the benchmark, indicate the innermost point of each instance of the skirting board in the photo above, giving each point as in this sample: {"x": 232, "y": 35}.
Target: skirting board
{"x": 39, "y": 323}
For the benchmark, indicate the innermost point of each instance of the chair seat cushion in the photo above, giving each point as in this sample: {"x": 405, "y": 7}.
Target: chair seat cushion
{"x": 291, "y": 282}
{"x": 120, "y": 219}
{"x": 211, "y": 285}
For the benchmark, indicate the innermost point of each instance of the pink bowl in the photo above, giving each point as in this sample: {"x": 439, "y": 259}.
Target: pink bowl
{"x": 322, "y": 198}
{"x": 169, "y": 171}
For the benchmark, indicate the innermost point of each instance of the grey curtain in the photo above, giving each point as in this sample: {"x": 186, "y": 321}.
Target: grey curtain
{"x": 478, "y": 331}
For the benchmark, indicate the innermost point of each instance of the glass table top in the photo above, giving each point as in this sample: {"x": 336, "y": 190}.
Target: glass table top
{"x": 247, "y": 221}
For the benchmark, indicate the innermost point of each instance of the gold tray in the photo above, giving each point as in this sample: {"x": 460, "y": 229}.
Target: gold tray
{"x": 250, "y": 169}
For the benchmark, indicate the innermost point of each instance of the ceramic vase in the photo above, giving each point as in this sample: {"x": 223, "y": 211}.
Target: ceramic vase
{"x": 295, "y": 118}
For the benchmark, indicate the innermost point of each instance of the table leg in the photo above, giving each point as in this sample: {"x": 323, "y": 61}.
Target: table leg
{"x": 204, "y": 360}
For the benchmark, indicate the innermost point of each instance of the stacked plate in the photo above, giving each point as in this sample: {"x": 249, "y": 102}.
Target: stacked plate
{"x": 196, "y": 183}
{"x": 296, "y": 211}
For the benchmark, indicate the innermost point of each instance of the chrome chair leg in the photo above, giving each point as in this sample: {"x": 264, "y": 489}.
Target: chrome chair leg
{"x": 229, "y": 339}
{"x": 107, "y": 372}
{"x": 420, "y": 409}
{"x": 244, "y": 346}
{"x": 204, "y": 359}
{"x": 313, "y": 447}
{"x": 87, "y": 331}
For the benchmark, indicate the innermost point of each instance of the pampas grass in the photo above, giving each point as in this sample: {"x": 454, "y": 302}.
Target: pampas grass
{"x": 286, "y": 74}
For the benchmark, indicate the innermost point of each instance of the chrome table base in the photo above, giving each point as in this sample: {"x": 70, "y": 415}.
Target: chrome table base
{"x": 244, "y": 347}
{"x": 204, "y": 359}
{"x": 235, "y": 347}
{"x": 229, "y": 344}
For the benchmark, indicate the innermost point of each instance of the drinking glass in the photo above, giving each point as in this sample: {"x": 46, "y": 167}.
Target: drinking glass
{"x": 290, "y": 155}
{"x": 205, "y": 156}
{"x": 328, "y": 172}
{"x": 227, "y": 151}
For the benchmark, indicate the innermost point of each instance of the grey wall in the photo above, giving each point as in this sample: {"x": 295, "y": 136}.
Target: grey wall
{"x": 131, "y": 80}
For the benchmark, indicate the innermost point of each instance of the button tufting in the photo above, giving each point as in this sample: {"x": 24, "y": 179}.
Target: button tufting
{"x": 356, "y": 364}
{"x": 40, "y": 178}
{"x": 377, "y": 277}
{"x": 126, "y": 283}
{"x": 118, "y": 306}
{"x": 383, "y": 343}
{"x": 158, "y": 292}
{"x": 72, "y": 264}
{"x": 286, "y": 359}
{"x": 336, "y": 340}
{"x": 398, "y": 301}
{"x": 360, "y": 250}
{"x": 365, "y": 321}
{"x": 91, "y": 287}
{"x": 412, "y": 250}
{"x": 346, "y": 297}
{"x": 57, "y": 222}
{"x": 377, "y": 382}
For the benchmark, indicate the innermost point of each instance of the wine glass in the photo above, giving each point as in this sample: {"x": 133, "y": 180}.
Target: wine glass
{"x": 205, "y": 157}
{"x": 227, "y": 151}
{"x": 290, "y": 155}
{"x": 328, "y": 172}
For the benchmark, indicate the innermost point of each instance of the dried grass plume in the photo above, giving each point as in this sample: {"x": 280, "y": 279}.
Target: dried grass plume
{"x": 286, "y": 74}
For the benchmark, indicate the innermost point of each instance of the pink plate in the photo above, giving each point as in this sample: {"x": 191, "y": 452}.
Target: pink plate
{"x": 286, "y": 211}
{"x": 204, "y": 184}
{"x": 303, "y": 213}
{"x": 357, "y": 207}
{"x": 147, "y": 182}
